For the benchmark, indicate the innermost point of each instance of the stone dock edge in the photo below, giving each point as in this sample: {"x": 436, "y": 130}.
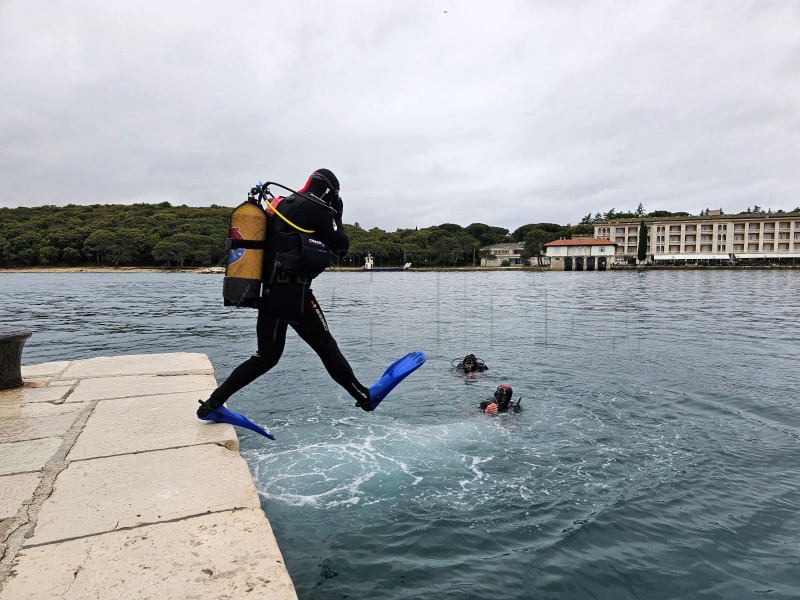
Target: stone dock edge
{"x": 111, "y": 487}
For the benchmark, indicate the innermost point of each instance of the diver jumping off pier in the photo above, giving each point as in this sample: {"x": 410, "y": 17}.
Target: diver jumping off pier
{"x": 301, "y": 231}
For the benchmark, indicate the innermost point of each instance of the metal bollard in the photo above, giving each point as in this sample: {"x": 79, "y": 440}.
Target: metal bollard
{"x": 12, "y": 339}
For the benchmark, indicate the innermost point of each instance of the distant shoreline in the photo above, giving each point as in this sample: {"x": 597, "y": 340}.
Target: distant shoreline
{"x": 98, "y": 270}
{"x": 220, "y": 270}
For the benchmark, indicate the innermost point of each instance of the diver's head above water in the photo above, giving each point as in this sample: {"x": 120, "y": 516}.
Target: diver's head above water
{"x": 503, "y": 395}
{"x": 322, "y": 184}
{"x": 469, "y": 363}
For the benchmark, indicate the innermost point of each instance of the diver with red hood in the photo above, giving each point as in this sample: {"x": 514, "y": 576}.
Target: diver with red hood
{"x": 299, "y": 242}
{"x": 500, "y": 402}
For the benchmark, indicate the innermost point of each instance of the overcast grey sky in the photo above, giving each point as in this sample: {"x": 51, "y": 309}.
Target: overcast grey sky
{"x": 503, "y": 112}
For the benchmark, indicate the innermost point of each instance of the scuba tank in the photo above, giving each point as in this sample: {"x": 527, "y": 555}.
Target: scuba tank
{"x": 245, "y": 244}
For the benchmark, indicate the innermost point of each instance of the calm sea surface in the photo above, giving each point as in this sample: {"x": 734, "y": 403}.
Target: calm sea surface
{"x": 657, "y": 456}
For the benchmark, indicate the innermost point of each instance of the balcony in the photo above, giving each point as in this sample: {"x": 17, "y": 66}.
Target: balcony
{"x": 674, "y": 228}
{"x": 674, "y": 238}
{"x": 752, "y": 247}
{"x": 706, "y": 228}
{"x": 769, "y": 226}
{"x": 769, "y": 247}
{"x": 620, "y": 230}
{"x": 705, "y": 247}
{"x": 738, "y": 227}
{"x": 675, "y": 248}
{"x": 755, "y": 227}
{"x": 785, "y": 225}
{"x": 769, "y": 236}
{"x": 690, "y": 238}
{"x": 707, "y": 238}
{"x": 738, "y": 247}
{"x": 738, "y": 237}
{"x": 783, "y": 247}
{"x": 690, "y": 248}
{"x": 691, "y": 228}
{"x": 752, "y": 237}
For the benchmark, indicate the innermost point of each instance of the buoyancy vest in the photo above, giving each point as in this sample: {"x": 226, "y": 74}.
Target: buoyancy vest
{"x": 291, "y": 248}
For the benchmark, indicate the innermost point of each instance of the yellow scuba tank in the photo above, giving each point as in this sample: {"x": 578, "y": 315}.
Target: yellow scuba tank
{"x": 245, "y": 260}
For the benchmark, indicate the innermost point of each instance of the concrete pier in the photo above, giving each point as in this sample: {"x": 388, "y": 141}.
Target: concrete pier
{"x": 110, "y": 487}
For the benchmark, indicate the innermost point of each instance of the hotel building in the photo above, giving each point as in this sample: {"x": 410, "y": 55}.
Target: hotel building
{"x": 715, "y": 237}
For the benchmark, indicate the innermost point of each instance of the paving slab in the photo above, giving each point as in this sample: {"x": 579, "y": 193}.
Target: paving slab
{"x": 139, "y": 364}
{"x": 32, "y": 394}
{"x": 193, "y": 558}
{"x": 31, "y": 428}
{"x": 30, "y": 455}
{"x": 21, "y": 410}
{"x": 62, "y": 382}
{"x": 14, "y": 490}
{"x": 97, "y": 496}
{"x": 43, "y": 370}
{"x": 148, "y": 423}
{"x": 139, "y": 385}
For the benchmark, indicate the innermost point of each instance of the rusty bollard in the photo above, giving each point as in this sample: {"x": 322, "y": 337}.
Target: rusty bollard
{"x": 12, "y": 339}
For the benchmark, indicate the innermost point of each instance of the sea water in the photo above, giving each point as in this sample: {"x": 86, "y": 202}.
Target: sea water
{"x": 656, "y": 455}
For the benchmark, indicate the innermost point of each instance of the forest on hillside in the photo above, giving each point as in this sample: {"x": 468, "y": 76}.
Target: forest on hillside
{"x": 162, "y": 235}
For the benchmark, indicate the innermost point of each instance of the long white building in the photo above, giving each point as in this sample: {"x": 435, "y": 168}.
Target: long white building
{"x": 710, "y": 238}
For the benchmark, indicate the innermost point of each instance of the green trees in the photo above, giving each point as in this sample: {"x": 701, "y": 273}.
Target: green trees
{"x": 111, "y": 235}
{"x": 171, "y": 251}
{"x": 100, "y": 242}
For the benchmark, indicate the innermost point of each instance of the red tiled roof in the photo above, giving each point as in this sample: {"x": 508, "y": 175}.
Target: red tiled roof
{"x": 582, "y": 242}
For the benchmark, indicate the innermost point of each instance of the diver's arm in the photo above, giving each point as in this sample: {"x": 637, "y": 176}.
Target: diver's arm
{"x": 329, "y": 227}
{"x": 488, "y": 406}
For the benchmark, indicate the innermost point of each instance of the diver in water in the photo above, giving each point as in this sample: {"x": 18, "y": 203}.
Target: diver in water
{"x": 500, "y": 402}
{"x": 470, "y": 364}
{"x": 292, "y": 261}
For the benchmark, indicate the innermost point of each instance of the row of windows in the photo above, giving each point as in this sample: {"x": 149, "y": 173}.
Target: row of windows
{"x": 785, "y": 225}
{"x": 724, "y": 248}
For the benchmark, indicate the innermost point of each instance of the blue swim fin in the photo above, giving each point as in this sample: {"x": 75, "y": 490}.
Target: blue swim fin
{"x": 223, "y": 415}
{"x": 394, "y": 374}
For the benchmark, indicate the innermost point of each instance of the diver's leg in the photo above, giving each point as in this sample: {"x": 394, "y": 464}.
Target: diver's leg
{"x": 271, "y": 333}
{"x": 313, "y": 329}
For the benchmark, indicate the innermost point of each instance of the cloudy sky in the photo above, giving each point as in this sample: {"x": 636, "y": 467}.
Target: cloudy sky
{"x": 503, "y": 112}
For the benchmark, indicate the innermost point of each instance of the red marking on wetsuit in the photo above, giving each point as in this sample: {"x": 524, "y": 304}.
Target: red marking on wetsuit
{"x": 275, "y": 202}
{"x": 316, "y": 308}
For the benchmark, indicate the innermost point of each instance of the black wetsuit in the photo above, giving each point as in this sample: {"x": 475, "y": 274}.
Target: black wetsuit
{"x": 288, "y": 300}
{"x": 502, "y": 407}
{"x": 474, "y": 368}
